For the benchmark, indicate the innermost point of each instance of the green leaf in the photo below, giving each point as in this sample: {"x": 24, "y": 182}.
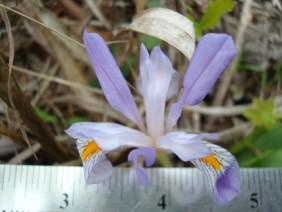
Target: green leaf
{"x": 272, "y": 159}
{"x": 126, "y": 68}
{"x": 251, "y": 67}
{"x": 46, "y": 116}
{"x": 270, "y": 140}
{"x": 263, "y": 113}
{"x": 197, "y": 26}
{"x": 150, "y": 42}
{"x": 75, "y": 119}
{"x": 260, "y": 148}
{"x": 247, "y": 142}
{"x": 155, "y": 4}
{"x": 278, "y": 71}
{"x": 215, "y": 10}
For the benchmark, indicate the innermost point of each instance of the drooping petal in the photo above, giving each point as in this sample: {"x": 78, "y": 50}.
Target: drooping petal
{"x": 222, "y": 171}
{"x": 185, "y": 146}
{"x": 211, "y": 57}
{"x": 108, "y": 136}
{"x": 110, "y": 78}
{"x": 157, "y": 81}
{"x": 149, "y": 155}
{"x": 96, "y": 166}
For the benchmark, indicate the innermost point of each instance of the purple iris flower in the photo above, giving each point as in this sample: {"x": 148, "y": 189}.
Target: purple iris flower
{"x": 157, "y": 83}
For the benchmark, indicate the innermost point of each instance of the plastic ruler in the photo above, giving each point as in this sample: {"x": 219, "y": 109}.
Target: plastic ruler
{"x": 58, "y": 188}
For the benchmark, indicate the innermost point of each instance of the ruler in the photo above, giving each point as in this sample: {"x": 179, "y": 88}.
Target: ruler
{"x": 57, "y": 188}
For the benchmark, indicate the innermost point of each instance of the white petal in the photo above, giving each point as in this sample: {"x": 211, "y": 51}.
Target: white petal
{"x": 222, "y": 171}
{"x": 109, "y": 136}
{"x": 154, "y": 82}
{"x": 174, "y": 86}
{"x": 185, "y": 146}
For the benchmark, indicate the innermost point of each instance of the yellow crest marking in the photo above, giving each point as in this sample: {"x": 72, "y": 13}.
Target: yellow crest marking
{"x": 89, "y": 149}
{"x": 212, "y": 161}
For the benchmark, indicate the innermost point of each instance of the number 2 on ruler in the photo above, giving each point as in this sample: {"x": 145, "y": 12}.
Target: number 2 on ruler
{"x": 161, "y": 202}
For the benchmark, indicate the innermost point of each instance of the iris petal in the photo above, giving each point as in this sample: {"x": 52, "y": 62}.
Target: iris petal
{"x": 157, "y": 82}
{"x": 211, "y": 57}
{"x": 149, "y": 155}
{"x": 96, "y": 166}
{"x": 110, "y": 78}
{"x": 108, "y": 136}
{"x": 222, "y": 172}
{"x": 185, "y": 146}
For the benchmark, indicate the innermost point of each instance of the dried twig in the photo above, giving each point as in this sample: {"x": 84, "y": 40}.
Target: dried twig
{"x": 25, "y": 154}
{"x": 28, "y": 115}
{"x": 227, "y": 76}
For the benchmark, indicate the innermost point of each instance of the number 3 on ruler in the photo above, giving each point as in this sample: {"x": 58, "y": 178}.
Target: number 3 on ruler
{"x": 65, "y": 201}
{"x": 161, "y": 202}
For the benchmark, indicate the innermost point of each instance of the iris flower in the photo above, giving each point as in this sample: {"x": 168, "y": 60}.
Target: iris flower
{"x": 158, "y": 82}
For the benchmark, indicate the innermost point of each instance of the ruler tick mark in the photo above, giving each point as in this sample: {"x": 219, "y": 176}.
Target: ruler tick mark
{"x": 44, "y": 176}
{"x": 9, "y": 173}
{"x": 275, "y": 176}
{"x": 15, "y": 176}
{"x": 249, "y": 181}
{"x": 3, "y": 178}
{"x": 33, "y": 167}
{"x": 121, "y": 187}
{"x": 269, "y": 177}
{"x": 25, "y": 188}
{"x": 21, "y": 174}
{"x": 260, "y": 194}
{"x": 50, "y": 179}
{"x": 38, "y": 178}
{"x": 279, "y": 171}
{"x": 73, "y": 193}
{"x": 169, "y": 189}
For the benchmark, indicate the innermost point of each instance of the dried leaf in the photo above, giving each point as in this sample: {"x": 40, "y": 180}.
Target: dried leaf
{"x": 169, "y": 26}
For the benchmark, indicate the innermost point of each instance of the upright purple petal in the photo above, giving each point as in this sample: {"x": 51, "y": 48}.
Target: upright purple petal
{"x": 211, "y": 57}
{"x": 110, "y": 77}
{"x": 149, "y": 155}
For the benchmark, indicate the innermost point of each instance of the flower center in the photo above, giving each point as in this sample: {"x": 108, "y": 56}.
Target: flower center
{"x": 212, "y": 161}
{"x": 89, "y": 149}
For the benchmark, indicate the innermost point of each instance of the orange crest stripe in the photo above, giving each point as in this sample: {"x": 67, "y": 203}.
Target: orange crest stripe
{"x": 212, "y": 161}
{"x": 89, "y": 150}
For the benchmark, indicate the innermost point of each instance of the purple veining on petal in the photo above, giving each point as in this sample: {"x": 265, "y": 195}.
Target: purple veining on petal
{"x": 110, "y": 78}
{"x": 149, "y": 155}
{"x": 97, "y": 172}
{"x": 227, "y": 186}
{"x": 225, "y": 181}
